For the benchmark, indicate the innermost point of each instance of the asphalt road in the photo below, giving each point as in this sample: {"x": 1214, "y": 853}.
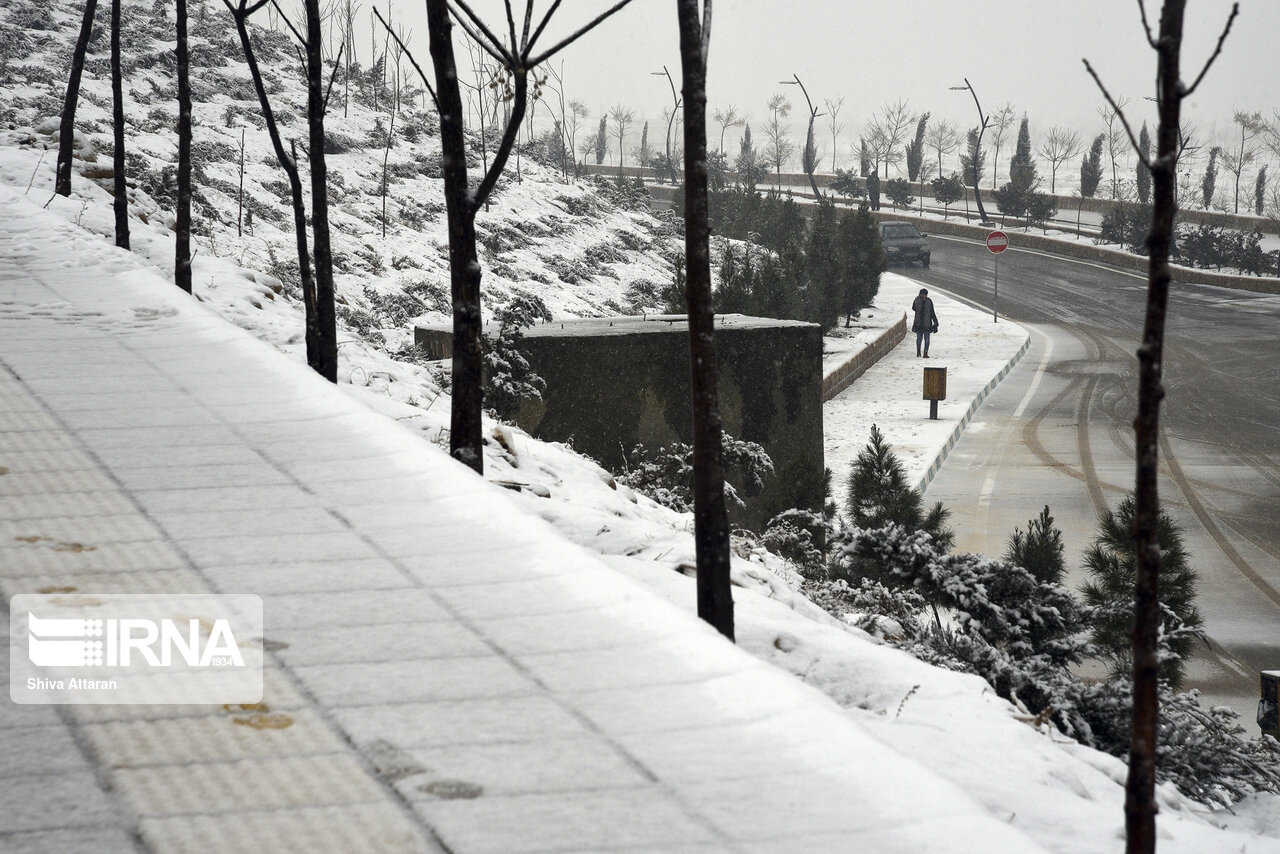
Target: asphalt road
{"x": 1058, "y": 431}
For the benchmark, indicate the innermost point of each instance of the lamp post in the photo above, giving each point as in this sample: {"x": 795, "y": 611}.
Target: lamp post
{"x": 973, "y": 165}
{"x": 675, "y": 98}
{"x": 810, "y": 158}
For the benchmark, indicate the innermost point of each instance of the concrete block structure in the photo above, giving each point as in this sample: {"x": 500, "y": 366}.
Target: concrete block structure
{"x": 616, "y": 382}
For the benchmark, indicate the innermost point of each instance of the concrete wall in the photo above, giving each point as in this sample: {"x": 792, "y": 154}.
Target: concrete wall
{"x": 842, "y": 377}
{"x": 611, "y": 387}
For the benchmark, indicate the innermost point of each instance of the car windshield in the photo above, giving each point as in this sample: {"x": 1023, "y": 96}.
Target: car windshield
{"x": 900, "y": 231}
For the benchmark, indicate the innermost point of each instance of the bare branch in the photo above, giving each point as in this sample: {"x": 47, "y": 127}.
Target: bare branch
{"x": 511, "y": 25}
{"x": 287, "y": 23}
{"x": 545, "y": 55}
{"x": 1133, "y": 140}
{"x": 494, "y": 48}
{"x": 528, "y": 19}
{"x": 414, "y": 62}
{"x": 1146, "y": 26}
{"x": 546, "y": 19}
{"x": 337, "y": 63}
{"x": 508, "y": 140}
{"x": 1235, "y": 10}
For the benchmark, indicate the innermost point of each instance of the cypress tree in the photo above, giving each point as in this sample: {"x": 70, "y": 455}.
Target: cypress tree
{"x": 1144, "y": 174}
{"x": 1210, "y": 178}
{"x": 1260, "y": 192}
{"x": 1091, "y": 168}
{"x": 915, "y": 151}
{"x": 602, "y": 140}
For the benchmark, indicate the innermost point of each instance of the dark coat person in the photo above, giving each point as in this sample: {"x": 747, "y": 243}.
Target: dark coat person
{"x": 925, "y": 321}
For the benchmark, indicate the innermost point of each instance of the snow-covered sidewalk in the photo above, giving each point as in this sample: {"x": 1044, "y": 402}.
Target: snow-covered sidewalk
{"x": 976, "y": 352}
{"x": 443, "y": 666}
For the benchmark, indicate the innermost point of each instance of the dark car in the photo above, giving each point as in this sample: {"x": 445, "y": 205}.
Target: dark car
{"x": 904, "y": 244}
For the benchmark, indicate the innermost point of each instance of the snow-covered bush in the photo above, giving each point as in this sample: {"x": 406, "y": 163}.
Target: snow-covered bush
{"x": 666, "y": 476}
{"x": 509, "y": 379}
{"x": 1112, "y": 565}
{"x": 879, "y": 495}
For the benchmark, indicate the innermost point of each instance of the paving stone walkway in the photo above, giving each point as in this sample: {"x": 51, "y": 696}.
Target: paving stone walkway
{"x": 445, "y": 672}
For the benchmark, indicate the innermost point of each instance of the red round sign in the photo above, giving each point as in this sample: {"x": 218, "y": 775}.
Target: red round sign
{"x": 997, "y": 242}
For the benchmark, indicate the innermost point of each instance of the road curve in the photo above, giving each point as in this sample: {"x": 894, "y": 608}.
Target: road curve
{"x": 1059, "y": 432}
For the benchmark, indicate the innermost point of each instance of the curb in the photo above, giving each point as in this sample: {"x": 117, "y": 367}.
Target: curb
{"x": 844, "y": 375}
{"x": 968, "y": 415}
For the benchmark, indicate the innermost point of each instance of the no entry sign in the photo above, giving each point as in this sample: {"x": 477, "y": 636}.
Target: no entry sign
{"x": 997, "y": 242}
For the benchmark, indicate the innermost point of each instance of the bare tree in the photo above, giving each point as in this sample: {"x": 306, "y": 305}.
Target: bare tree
{"x": 1001, "y": 120}
{"x": 711, "y": 521}
{"x": 944, "y": 138}
{"x": 182, "y": 244}
{"x": 1059, "y": 146}
{"x": 67, "y": 128}
{"x": 1140, "y": 804}
{"x": 1114, "y": 139}
{"x": 578, "y": 114}
{"x": 887, "y": 131}
{"x": 778, "y": 147}
{"x": 321, "y": 328}
{"x": 622, "y": 119}
{"x": 1235, "y": 160}
{"x": 121, "y": 201}
{"x": 516, "y": 60}
{"x": 836, "y": 127}
{"x": 728, "y": 118}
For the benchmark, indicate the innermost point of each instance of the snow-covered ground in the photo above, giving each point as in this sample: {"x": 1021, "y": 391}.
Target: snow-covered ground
{"x": 972, "y": 348}
{"x": 1066, "y": 797}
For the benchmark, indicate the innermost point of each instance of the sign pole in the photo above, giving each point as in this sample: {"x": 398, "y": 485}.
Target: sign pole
{"x": 995, "y": 293}
{"x": 997, "y": 242}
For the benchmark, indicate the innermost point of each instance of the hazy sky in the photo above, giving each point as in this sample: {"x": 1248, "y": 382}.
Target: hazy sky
{"x": 1027, "y": 52}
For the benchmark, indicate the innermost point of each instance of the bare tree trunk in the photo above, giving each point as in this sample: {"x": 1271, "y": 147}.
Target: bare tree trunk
{"x": 711, "y": 520}
{"x": 66, "y": 131}
{"x": 465, "y": 441}
{"x": 1140, "y": 804}
{"x": 289, "y": 163}
{"x": 386, "y": 157}
{"x": 240, "y": 192}
{"x": 121, "y": 202}
{"x": 326, "y": 319}
{"x": 182, "y": 252}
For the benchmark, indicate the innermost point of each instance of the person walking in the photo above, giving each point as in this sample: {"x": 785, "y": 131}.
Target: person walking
{"x": 873, "y": 190}
{"x": 925, "y": 322}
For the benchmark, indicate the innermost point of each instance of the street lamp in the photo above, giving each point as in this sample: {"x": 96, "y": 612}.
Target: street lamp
{"x": 809, "y": 161}
{"x": 671, "y": 169}
{"x": 977, "y": 149}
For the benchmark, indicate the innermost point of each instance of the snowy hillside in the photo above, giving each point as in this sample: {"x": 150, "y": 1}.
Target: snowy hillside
{"x": 607, "y": 259}
{"x": 584, "y": 250}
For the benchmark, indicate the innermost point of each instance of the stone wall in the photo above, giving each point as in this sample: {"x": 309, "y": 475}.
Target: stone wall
{"x": 614, "y": 383}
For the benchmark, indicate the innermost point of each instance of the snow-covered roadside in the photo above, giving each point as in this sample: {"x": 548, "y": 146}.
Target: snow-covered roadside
{"x": 1056, "y": 792}
{"x": 972, "y": 348}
